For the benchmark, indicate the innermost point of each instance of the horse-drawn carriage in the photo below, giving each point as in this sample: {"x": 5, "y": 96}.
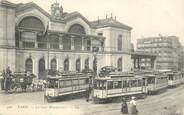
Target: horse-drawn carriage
{"x": 17, "y": 82}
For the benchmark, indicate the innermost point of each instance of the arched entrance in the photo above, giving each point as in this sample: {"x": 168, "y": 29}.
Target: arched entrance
{"x": 41, "y": 69}
{"x": 66, "y": 65}
{"x": 29, "y": 65}
{"x": 78, "y": 65}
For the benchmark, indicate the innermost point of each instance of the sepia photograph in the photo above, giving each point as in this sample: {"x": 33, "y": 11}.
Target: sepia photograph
{"x": 91, "y": 57}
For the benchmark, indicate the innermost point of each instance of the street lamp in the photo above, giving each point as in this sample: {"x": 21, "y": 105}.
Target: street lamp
{"x": 95, "y": 51}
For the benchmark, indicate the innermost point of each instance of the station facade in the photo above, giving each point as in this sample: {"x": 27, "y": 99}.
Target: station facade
{"x": 33, "y": 40}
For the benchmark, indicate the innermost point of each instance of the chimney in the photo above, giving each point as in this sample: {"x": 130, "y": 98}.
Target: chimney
{"x": 98, "y": 20}
{"x": 106, "y": 16}
{"x": 111, "y": 16}
{"x": 115, "y": 18}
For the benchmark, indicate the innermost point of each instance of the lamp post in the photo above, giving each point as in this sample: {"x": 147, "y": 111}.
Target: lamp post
{"x": 95, "y": 51}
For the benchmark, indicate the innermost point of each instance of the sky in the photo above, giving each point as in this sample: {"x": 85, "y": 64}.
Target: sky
{"x": 148, "y": 18}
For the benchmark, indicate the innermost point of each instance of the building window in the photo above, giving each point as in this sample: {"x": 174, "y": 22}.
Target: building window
{"x": 77, "y": 29}
{"x": 66, "y": 64}
{"x": 28, "y": 39}
{"x": 66, "y": 43}
{"x": 78, "y": 65}
{"x": 119, "y": 42}
{"x": 53, "y": 65}
{"x": 87, "y": 64}
{"x": 78, "y": 44}
{"x": 42, "y": 42}
{"x": 41, "y": 69}
{"x": 29, "y": 65}
{"x": 119, "y": 63}
{"x": 54, "y": 41}
{"x": 88, "y": 45}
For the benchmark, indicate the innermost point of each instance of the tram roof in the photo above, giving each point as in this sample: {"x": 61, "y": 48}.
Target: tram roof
{"x": 63, "y": 77}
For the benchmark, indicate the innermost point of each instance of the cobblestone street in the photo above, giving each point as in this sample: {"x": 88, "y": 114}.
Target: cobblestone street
{"x": 31, "y": 103}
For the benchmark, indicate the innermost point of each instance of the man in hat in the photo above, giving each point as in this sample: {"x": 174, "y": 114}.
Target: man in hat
{"x": 133, "y": 109}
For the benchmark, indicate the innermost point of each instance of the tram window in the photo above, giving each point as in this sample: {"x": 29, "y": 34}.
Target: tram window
{"x": 61, "y": 84}
{"x": 110, "y": 85}
{"x": 170, "y": 77}
{"x": 52, "y": 84}
{"x": 87, "y": 81}
{"x": 139, "y": 83}
{"x": 81, "y": 81}
{"x": 134, "y": 83}
{"x": 68, "y": 83}
{"x": 117, "y": 84}
{"x": 125, "y": 84}
{"x": 101, "y": 85}
{"x": 75, "y": 82}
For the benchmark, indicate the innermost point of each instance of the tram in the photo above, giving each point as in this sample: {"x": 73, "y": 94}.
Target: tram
{"x": 114, "y": 86}
{"x": 66, "y": 86}
{"x": 174, "y": 79}
{"x": 156, "y": 82}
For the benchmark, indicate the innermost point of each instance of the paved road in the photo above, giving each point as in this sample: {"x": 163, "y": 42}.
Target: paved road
{"x": 32, "y": 103}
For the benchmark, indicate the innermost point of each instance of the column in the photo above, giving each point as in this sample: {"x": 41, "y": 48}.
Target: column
{"x": 134, "y": 62}
{"x": 60, "y": 42}
{"x": 72, "y": 43}
{"x": 83, "y": 43}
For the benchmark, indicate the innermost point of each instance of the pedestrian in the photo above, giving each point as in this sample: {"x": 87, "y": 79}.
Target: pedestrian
{"x": 133, "y": 108}
{"x": 124, "y": 107}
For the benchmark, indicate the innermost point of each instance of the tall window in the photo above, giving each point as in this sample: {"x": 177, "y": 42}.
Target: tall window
{"x": 78, "y": 44}
{"x": 119, "y": 42}
{"x": 29, "y": 65}
{"x": 88, "y": 45}
{"x": 42, "y": 42}
{"x": 53, "y": 65}
{"x": 28, "y": 39}
{"x": 66, "y": 64}
{"x": 66, "y": 43}
{"x": 42, "y": 73}
{"x": 87, "y": 63}
{"x": 119, "y": 64}
{"x": 78, "y": 65}
{"x": 54, "y": 41}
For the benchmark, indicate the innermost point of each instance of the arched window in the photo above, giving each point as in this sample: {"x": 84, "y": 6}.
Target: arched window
{"x": 29, "y": 65}
{"x": 66, "y": 43}
{"x": 119, "y": 43}
{"x": 54, "y": 41}
{"x": 77, "y": 29}
{"x": 41, "y": 69}
{"x": 53, "y": 65}
{"x": 87, "y": 64}
{"x": 78, "y": 65}
{"x": 31, "y": 25}
{"x": 119, "y": 64}
{"x": 66, "y": 64}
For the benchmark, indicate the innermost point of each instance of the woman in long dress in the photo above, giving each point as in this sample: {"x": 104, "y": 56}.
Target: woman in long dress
{"x": 133, "y": 106}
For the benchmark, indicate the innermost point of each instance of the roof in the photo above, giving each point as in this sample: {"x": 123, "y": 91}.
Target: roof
{"x": 109, "y": 22}
{"x": 21, "y": 7}
{"x": 7, "y": 3}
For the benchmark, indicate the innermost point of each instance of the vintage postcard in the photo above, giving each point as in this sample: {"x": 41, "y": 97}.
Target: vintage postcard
{"x": 91, "y": 57}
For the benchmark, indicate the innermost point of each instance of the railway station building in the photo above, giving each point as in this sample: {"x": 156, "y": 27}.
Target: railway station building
{"x": 34, "y": 40}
